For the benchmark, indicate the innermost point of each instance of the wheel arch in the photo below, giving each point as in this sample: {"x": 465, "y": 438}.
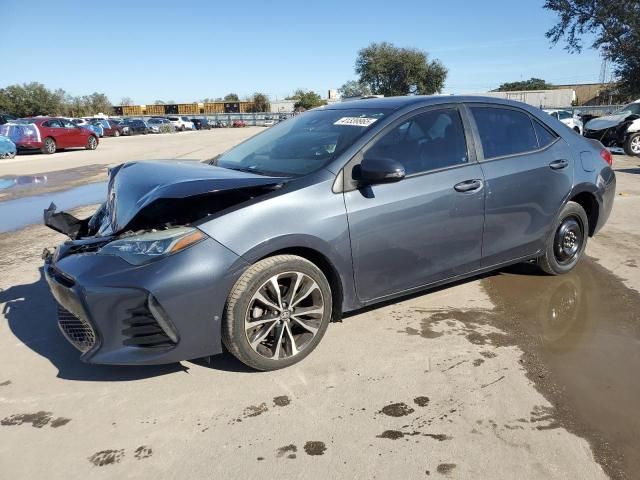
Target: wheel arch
{"x": 588, "y": 201}
{"x": 329, "y": 270}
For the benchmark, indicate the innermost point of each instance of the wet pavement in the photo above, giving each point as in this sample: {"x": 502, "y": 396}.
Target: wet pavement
{"x": 18, "y": 213}
{"x": 20, "y": 186}
{"x": 580, "y": 334}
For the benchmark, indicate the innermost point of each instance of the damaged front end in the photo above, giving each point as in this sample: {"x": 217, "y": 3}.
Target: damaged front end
{"x": 615, "y": 131}
{"x": 160, "y": 195}
{"x": 138, "y": 282}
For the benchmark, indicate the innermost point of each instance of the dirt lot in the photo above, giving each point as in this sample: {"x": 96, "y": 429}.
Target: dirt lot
{"x": 512, "y": 375}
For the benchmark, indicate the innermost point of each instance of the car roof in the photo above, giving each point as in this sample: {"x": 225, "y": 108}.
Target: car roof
{"x": 396, "y": 103}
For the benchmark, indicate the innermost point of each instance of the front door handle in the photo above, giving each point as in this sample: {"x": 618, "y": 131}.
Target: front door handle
{"x": 468, "y": 186}
{"x": 558, "y": 164}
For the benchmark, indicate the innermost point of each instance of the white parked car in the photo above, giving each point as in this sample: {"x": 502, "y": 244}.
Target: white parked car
{"x": 569, "y": 119}
{"x": 181, "y": 123}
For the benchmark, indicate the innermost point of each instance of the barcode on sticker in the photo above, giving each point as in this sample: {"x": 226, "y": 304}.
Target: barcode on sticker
{"x": 356, "y": 121}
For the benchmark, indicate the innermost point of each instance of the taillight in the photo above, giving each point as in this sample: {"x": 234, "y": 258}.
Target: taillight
{"x": 606, "y": 156}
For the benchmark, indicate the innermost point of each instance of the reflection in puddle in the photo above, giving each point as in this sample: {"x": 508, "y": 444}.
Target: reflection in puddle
{"x": 581, "y": 336}
{"x": 10, "y": 182}
{"x": 18, "y": 213}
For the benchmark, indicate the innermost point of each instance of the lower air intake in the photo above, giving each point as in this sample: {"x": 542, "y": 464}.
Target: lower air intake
{"x": 78, "y": 331}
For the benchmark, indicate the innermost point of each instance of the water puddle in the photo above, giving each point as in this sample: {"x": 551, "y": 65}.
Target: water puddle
{"x": 581, "y": 337}
{"x": 10, "y": 182}
{"x": 18, "y": 213}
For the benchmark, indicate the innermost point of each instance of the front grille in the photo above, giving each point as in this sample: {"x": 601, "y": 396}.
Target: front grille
{"x": 78, "y": 331}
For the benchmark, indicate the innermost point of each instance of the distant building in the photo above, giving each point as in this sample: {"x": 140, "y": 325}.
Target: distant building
{"x": 590, "y": 93}
{"x": 282, "y": 106}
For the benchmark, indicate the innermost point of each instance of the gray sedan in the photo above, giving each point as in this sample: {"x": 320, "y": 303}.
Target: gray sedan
{"x": 336, "y": 209}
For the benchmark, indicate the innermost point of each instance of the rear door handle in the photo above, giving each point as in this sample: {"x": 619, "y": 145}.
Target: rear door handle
{"x": 468, "y": 186}
{"x": 558, "y": 164}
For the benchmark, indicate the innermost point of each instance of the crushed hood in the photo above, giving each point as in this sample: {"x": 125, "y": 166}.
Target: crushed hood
{"x": 609, "y": 121}
{"x": 136, "y": 186}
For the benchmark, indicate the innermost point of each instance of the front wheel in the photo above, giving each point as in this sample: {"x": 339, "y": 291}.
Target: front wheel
{"x": 92, "y": 143}
{"x": 632, "y": 145}
{"x": 116, "y": 133}
{"x": 567, "y": 241}
{"x": 277, "y": 312}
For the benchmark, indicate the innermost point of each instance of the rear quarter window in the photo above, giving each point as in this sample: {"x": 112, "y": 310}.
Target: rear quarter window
{"x": 545, "y": 136}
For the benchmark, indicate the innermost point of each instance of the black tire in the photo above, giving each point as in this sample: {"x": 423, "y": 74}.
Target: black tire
{"x": 234, "y": 333}
{"x": 577, "y": 130}
{"x": 116, "y": 133}
{"x": 92, "y": 143}
{"x": 49, "y": 146}
{"x": 632, "y": 145}
{"x": 182, "y": 128}
{"x": 567, "y": 241}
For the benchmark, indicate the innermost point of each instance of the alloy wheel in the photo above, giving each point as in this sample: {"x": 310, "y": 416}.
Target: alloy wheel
{"x": 49, "y": 145}
{"x": 92, "y": 143}
{"x": 568, "y": 240}
{"x": 284, "y": 315}
{"x": 635, "y": 145}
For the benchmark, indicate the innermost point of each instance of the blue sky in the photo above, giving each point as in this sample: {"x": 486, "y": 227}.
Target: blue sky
{"x": 191, "y": 49}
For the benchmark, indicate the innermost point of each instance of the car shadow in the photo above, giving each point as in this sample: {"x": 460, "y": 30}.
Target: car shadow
{"x": 31, "y": 314}
{"x": 629, "y": 170}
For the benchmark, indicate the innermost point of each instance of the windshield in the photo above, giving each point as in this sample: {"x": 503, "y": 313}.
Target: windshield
{"x": 632, "y": 108}
{"x": 303, "y": 144}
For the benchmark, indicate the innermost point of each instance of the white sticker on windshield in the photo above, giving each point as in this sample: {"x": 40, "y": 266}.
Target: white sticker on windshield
{"x": 356, "y": 121}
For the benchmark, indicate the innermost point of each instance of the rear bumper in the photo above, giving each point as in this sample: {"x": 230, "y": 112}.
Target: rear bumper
{"x": 607, "y": 189}
{"x": 110, "y": 299}
{"x": 29, "y": 145}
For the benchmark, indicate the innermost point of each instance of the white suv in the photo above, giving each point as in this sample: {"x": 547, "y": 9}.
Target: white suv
{"x": 181, "y": 123}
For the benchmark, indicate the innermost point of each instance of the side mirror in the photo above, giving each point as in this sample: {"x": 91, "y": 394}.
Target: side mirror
{"x": 373, "y": 171}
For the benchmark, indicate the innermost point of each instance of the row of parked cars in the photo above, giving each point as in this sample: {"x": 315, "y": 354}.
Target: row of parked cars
{"x": 50, "y": 134}
{"x": 619, "y": 131}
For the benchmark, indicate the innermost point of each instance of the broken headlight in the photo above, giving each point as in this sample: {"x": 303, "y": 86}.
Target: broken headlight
{"x": 145, "y": 247}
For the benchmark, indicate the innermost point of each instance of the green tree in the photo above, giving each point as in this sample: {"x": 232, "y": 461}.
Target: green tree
{"x": 614, "y": 27}
{"x": 31, "y": 99}
{"x": 97, "y": 103}
{"x": 531, "y": 84}
{"x": 306, "y": 99}
{"x": 353, "y": 88}
{"x": 231, "y": 97}
{"x": 389, "y": 70}
{"x": 260, "y": 102}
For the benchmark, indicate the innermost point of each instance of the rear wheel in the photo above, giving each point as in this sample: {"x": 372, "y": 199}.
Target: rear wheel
{"x": 277, "y": 312}
{"x": 116, "y": 133}
{"x": 632, "y": 145}
{"x": 567, "y": 241}
{"x": 92, "y": 143}
{"x": 49, "y": 146}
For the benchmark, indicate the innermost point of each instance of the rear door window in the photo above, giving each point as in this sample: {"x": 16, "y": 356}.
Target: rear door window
{"x": 504, "y": 131}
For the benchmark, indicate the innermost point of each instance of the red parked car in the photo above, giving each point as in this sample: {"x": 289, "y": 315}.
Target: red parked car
{"x": 239, "y": 124}
{"x": 48, "y": 134}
